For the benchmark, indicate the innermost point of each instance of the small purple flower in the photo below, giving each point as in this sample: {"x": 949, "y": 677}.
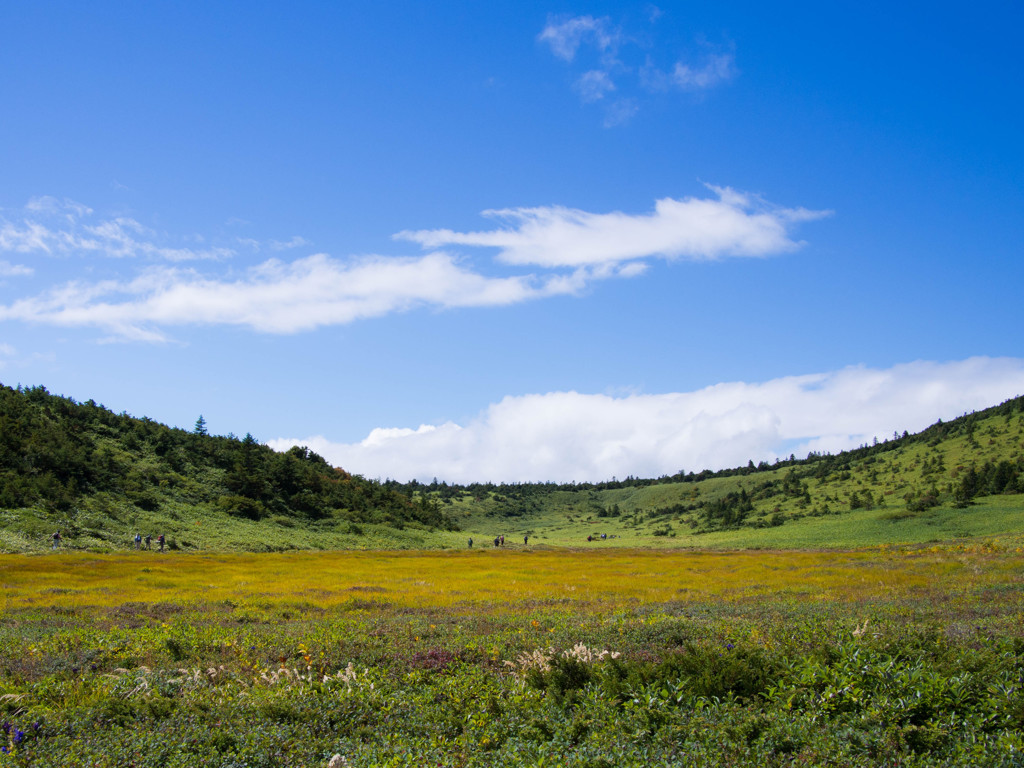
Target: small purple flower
{"x": 18, "y": 736}
{"x": 729, "y": 646}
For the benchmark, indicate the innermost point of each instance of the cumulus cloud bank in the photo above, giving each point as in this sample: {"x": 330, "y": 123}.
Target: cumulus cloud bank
{"x": 570, "y": 436}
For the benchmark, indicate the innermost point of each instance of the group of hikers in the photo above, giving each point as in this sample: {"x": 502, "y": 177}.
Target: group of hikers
{"x": 160, "y": 540}
{"x": 149, "y": 541}
{"x": 499, "y": 541}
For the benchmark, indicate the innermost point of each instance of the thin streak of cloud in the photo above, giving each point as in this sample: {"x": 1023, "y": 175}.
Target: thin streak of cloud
{"x": 569, "y": 436}
{"x": 286, "y": 245}
{"x": 278, "y": 297}
{"x": 734, "y": 224}
{"x": 14, "y": 270}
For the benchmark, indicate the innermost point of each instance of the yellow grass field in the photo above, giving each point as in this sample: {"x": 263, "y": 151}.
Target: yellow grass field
{"x": 501, "y": 578}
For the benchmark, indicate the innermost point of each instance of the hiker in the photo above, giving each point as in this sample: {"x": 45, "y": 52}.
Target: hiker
{"x": 160, "y": 541}
{"x": 526, "y": 539}
{"x": 56, "y": 539}
{"x": 470, "y": 542}
{"x": 503, "y": 539}
{"x": 149, "y": 541}
{"x": 590, "y": 538}
{"x": 496, "y": 540}
{"x": 138, "y": 541}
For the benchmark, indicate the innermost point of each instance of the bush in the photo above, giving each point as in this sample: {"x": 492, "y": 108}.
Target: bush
{"x": 242, "y": 506}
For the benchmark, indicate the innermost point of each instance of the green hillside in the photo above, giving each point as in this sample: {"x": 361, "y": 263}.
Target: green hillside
{"x": 101, "y": 477}
{"x": 954, "y": 480}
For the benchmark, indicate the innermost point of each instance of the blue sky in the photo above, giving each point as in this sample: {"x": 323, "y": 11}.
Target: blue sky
{"x": 516, "y": 242}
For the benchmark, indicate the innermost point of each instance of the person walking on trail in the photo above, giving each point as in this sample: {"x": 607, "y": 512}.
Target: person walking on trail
{"x": 526, "y": 539}
{"x": 56, "y": 539}
{"x": 138, "y": 541}
{"x": 503, "y": 539}
{"x": 149, "y": 541}
{"x": 470, "y": 542}
{"x": 496, "y": 540}
{"x": 160, "y": 541}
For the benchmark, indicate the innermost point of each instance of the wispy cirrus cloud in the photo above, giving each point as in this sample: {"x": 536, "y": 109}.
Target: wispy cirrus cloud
{"x": 14, "y": 270}
{"x": 571, "y": 436}
{"x": 730, "y": 224}
{"x": 296, "y": 241}
{"x": 717, "y": 69}
{"x": 611, "y": 66}
{"x": 565, "y": 35}
{"x": 55, "y": 227}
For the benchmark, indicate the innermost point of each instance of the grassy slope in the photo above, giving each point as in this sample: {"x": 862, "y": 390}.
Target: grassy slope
{"x": 565, "y": 517}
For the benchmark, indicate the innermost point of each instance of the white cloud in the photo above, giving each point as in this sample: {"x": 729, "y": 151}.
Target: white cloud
{"x": 593, "y": 85}
{"x": 734, "y": 224}
{"x": 623, "y": 62}
{"x": 14, "y": 270}
{"x": 278, "y": 297}
{"x": 68, "y": 209}
{"x": 55, "y": 227}
{"x": 565, "y": 436}
{"x": 295, "y": 242}
{"x": 315, "y": 291}
{"x": 717, "y": 69}
{"x": 619, "y": 111}
{"x": 565, "y": 35}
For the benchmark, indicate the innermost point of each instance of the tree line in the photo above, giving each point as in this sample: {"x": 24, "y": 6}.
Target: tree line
{"x": 56, "y": 452}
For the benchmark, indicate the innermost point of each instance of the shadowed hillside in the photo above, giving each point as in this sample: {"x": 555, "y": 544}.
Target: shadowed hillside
{"x": 100, "y": 477}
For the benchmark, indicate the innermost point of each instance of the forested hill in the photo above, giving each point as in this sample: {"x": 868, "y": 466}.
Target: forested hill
{"x": 100, "y": 475}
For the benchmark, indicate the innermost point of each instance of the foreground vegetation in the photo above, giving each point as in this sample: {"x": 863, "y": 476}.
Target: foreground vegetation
{"x": 894, "y": 656}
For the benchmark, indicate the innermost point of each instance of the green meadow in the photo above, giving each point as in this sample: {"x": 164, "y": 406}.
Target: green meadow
{"x": 502, "y": 657}
{"x": 858, "y": 609}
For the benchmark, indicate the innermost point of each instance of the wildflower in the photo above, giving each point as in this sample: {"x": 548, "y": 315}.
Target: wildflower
{"x": 338, "y": 762}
